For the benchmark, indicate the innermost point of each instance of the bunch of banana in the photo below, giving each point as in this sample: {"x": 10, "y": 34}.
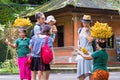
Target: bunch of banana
{"x": 84, "y": 50}
{"x": 22, "y": 22}
{"x": 101, "y": 30}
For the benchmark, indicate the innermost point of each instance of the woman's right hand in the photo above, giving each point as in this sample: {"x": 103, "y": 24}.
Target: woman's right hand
{"x": 86, "y": 29}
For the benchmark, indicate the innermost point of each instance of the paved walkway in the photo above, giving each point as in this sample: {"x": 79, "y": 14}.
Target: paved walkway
{"x": 61, "y": 76}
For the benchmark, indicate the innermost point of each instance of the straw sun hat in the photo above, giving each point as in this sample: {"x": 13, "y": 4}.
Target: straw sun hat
{"x": 86, "y": 18}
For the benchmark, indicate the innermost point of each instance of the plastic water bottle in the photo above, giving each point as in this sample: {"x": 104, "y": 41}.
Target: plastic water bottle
{"x": 70, "y": 59}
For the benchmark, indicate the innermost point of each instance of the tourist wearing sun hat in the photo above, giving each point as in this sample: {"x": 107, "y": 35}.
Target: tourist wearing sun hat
{"x": 51, "y": 21}
{"x": 84, "y": 67}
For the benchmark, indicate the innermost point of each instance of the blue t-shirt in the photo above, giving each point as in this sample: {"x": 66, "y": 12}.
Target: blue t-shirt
{"x": 37, "y": 29}
{"x": 36, "y": 43}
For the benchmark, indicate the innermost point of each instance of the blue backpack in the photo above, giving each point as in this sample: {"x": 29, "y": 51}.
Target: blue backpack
{"x": 32, "y": 31}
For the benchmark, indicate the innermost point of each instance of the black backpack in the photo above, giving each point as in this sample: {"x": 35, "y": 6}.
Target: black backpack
{"x": 32, "y": 31}
{"x": 93, "y": 42}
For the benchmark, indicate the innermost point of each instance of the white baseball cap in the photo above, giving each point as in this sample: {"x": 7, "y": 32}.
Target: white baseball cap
{"x": 50, "y": 18}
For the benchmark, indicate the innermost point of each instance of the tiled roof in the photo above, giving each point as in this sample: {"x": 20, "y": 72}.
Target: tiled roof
{"x": 57, "y": 4}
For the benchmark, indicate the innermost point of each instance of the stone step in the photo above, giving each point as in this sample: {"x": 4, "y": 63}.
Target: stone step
{"x": 114, "y": 64}
{"x": 72, "y": 67}
{"x": 65, "y": 59}
{"x": 71, "y": 59}
{"x": 68, "y": 63}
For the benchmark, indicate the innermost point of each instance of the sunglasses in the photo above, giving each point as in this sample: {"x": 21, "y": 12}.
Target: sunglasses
{"x": 42, "y": 18}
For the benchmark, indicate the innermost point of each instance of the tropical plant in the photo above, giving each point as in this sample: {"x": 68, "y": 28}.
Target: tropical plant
{"x": 10, "y": 33}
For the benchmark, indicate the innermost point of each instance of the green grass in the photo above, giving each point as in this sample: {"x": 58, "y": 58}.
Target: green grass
{"x": 8, "y": 71}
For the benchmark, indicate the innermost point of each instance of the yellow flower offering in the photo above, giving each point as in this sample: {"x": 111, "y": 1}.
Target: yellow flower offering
{"x": 84, "y": 50}
{"x": 22, "y": 22}
{"x": 101, "y": 30}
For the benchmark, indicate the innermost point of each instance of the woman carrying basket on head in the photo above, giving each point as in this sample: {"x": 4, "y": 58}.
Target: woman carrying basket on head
{"x": 22, "y": 45}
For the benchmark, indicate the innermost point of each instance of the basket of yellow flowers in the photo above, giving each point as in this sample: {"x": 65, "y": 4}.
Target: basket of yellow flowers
{"x": 101, "y": 30}
{"x": 22, "y": 23}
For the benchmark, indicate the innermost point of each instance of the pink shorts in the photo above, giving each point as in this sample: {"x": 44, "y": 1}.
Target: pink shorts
{"x": 25, "y": 72}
